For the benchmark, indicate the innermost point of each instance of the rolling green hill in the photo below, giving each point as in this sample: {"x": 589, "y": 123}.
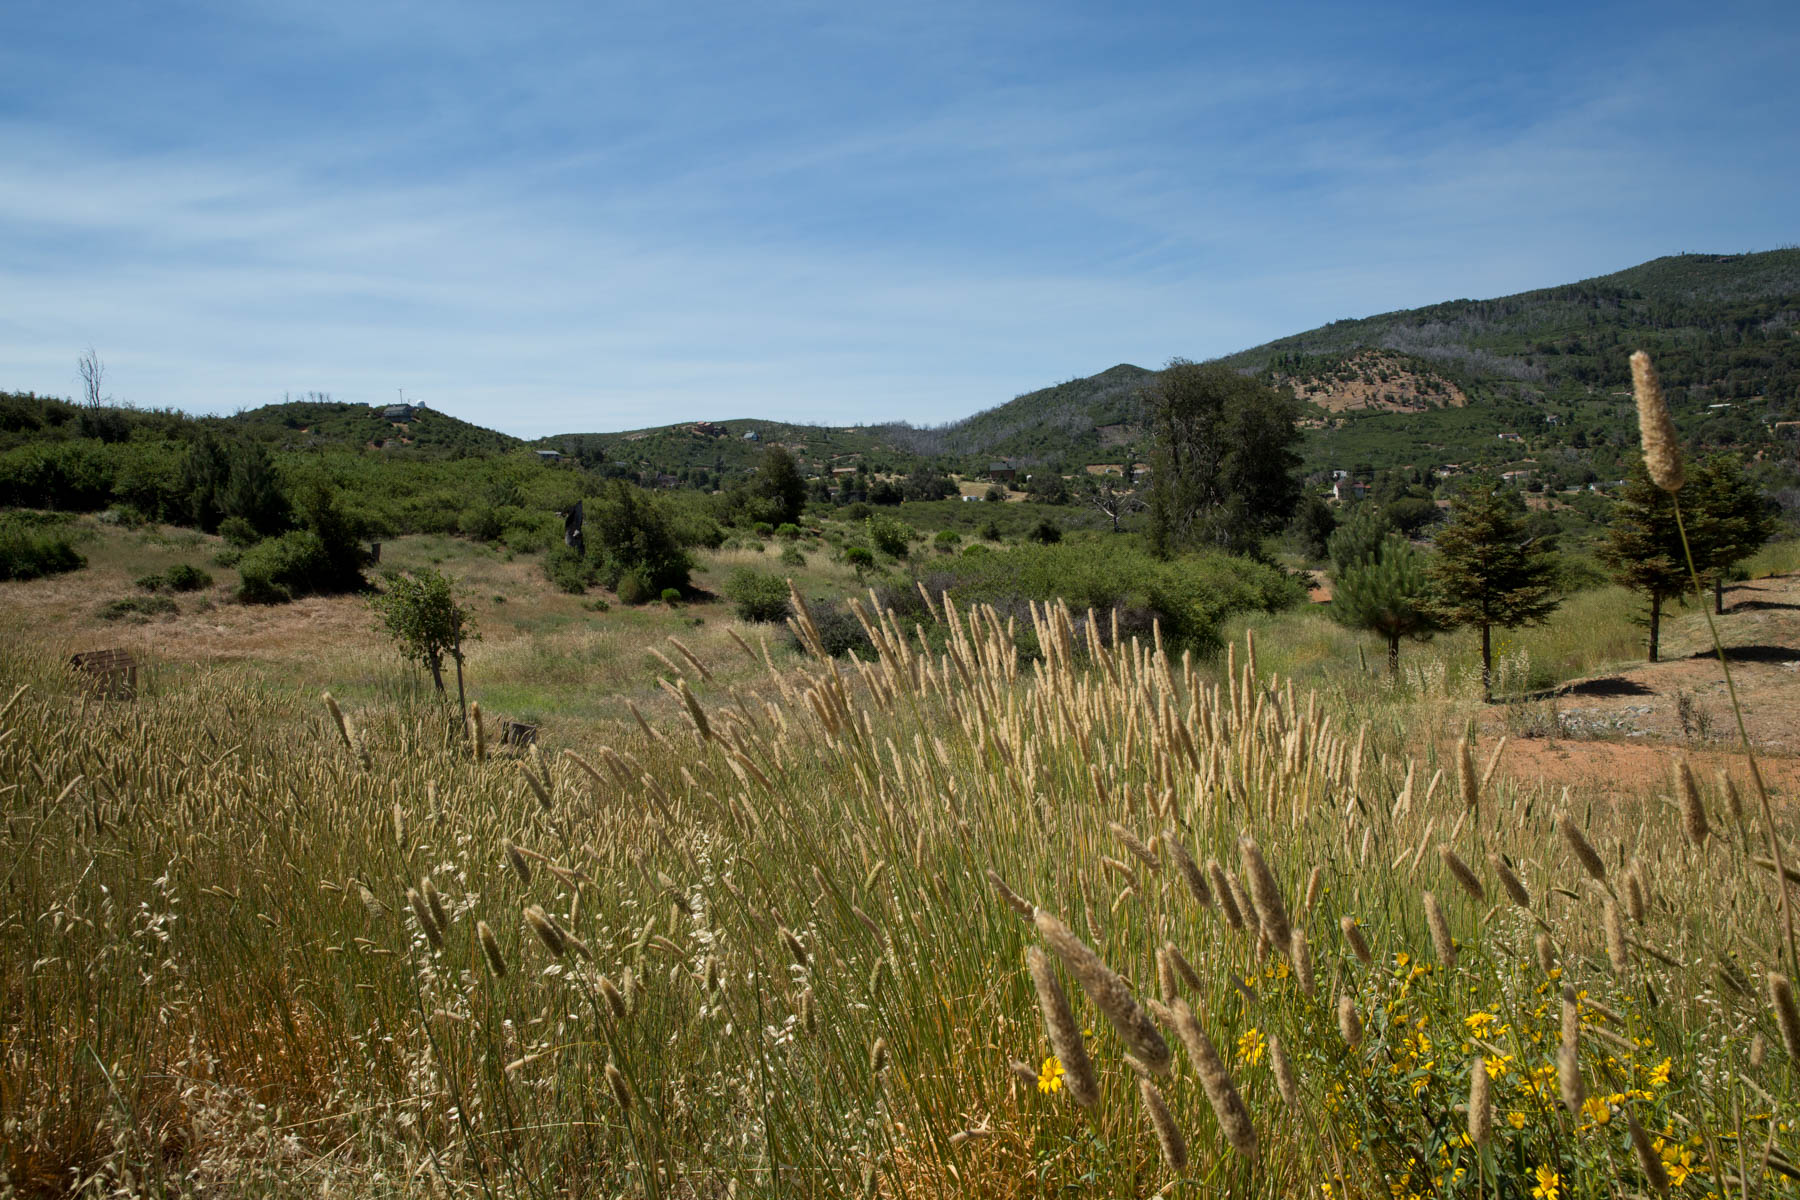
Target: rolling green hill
{"x": 1444, "y": 383}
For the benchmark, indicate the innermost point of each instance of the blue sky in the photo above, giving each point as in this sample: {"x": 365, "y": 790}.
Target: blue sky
{"x": 557, "y": 217}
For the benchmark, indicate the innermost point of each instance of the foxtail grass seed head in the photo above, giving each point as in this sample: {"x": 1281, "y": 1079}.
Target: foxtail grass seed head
{"x": 1168, "y": 1134}
{"x": 435, "y": 903}
{"x": 1584, "y": 851}
{"x": 1221, "y": 1090}
{"x": 1441, "y": 941}
{"x": 1787, "y": 1018}
{"x": 1063, "y": 1033}
{"x": 1649, "y": 1161}
{"x": 1264, "y": 892}
{"x": 1613, "y": 925}
{"x": 809, "y": 1012}
{"x": 516, "y": 860}
{"x": 878, "y": 1056}
{"x": 1301, "y": 956}
{"x": 615, "y": 999}
{"x": 546, "y": 930}
{"x": 422, "y": 913}
{"x": 1734, "y": 803}
{"x": 1315, "y": 883}
{"x": 795, "y": 947}
{"x": 1693, "y": 813}
{"x": 1637, "y": 901}
{"x": 1014, "y": 901}
{"x": 1349, "y": 1023}
{"x": 621, "y": 1090}
{"x": 1465, "y": 775}
{"x": 1022, "y": 1072}
{"x": 1546, "y": 954}
{"x": 490, "y": 946}
{"x": 1183, "y": 967}
{"x": 1283, "y": 1070}
{"x": 1165, "y": 976}
{"x": 1459, "y": 870}
{"x": 1656, "y": 428}
{"x": 1359, "y": 945}
{"x": 1108, "y": 992}
{"x": 1187, "y": 868}
{"x": 1568, "y": 1054}
{"x": 1135, "y": 846}
{"x": 338, "y": 719}
{"x": 1759, "y": 1051}
{"x": 1510, "y": 881}
{"x": 1481, "y": 1103}
{"x": 1227, "y": 897}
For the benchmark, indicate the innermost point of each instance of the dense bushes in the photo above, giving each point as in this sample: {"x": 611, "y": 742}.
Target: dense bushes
{"x": 32, "y": 547}
{"x": 757, "y": 595}
{"x": 632, "y": 547}
{"x": 325, "y": 557}
{"x": 1190, "y": 595}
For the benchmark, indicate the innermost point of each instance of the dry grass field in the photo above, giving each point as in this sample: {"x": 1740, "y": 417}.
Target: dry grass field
{"x": 1108, "y": 922}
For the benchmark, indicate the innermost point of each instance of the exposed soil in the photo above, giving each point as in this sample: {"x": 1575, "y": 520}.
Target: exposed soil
{"x": 1616, "y": 731}
{"x": 1377, "y": 381}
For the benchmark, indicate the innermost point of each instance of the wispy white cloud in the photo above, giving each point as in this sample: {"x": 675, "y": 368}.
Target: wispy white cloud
{"x": 547, "y": 222}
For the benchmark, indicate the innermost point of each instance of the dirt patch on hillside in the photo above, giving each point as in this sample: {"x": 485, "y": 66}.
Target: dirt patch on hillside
{"x": 1615, "y": 731}
{"x": 1378, "y": 381}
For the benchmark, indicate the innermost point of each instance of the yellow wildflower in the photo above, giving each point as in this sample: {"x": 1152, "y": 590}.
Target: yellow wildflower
{"x": 1549, "y": 1185}
{"x": 1250, "y": 1047}
{"x": 1050, "y": 1075}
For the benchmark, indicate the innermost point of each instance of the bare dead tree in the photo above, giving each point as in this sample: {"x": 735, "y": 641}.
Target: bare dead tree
{"x": 1115, "y": 501}
{"x": 93, "y": 376}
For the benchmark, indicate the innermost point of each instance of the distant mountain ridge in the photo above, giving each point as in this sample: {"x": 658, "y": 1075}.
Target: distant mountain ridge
{"x": 1445, "y": 382}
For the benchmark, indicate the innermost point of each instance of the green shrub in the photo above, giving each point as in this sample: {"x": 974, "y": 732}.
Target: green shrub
{"x": 297, "y": 563}
{"x": 137, "y": 608}
{"x": 150, "y": 583}
{"x": 947, "y": 540}
{"x": 860, "y": 557}
{"x": 597, "y": 605}
{"x": 840, "y": 633}
{"x": 185, "y": 577}
{"x": 238, "y": 532}
{"x": 763, "y": 529}
{"x": 792, "y": 557}
{"x": 1190, "y": 595}
{"x": 787, "y": 531}
{"x": 757, "y": 595}
{"x": 888, "y": 536}
{"x": 31, "y": 549}
{"x": 633, "y": 588}
{"x": 1046, "y": 533}
{"x": 671, "y": 596}
{"x": 569, "y": 571}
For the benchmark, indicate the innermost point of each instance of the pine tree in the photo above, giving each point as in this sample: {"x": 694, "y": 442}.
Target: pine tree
{"x": 1489, "y": 571}
{"x": 1727, "y": 519}
{"x": 1643, "y": 547}
{"x": 1387, "y": 595}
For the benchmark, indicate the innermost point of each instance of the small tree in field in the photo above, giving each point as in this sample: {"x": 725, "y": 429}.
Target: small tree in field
{"x": 1727, "y": 519}
{"x": 421, "y": 613}
{"x": 1387, "y": 595}
{"x": 1489, "y": 571}
{"x": 1643, "y": 547}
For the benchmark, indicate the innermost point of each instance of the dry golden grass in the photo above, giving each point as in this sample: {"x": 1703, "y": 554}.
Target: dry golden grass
{"x": 752, "y": 942}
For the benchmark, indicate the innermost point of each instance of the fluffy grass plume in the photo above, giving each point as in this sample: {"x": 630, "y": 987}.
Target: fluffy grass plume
{"x": 1656, "y": 428}
{"x": 1063, "y": 1033}
{"x": 1108, "y": 992}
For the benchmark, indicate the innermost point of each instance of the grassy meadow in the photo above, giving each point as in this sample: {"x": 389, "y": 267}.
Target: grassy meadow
{"x": 1111, "y": 921}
